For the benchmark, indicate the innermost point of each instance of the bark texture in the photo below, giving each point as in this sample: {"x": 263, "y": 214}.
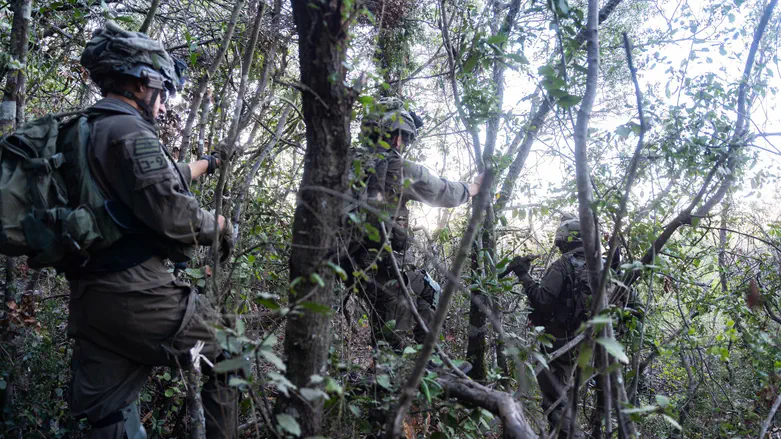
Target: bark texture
{"x": 326, "y": 104}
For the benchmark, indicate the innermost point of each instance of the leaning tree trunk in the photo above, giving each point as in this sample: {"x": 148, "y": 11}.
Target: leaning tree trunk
{"x": 326, "y": 104}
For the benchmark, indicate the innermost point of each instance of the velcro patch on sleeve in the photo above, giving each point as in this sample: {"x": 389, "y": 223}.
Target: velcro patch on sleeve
{"x": 146, "y": 146}
{"x": 151, "y": 163}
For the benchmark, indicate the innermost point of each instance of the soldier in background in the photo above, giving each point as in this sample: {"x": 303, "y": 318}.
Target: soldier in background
{"x": 560, "y": 302}
{"x": 385, "y": 181}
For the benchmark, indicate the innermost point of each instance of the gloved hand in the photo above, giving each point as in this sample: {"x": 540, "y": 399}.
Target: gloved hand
{"x": 519, "y": 265}
{"x": 222, "y": 152}
{"x": 214, "y": 163}
{"x": 226, "y": 242}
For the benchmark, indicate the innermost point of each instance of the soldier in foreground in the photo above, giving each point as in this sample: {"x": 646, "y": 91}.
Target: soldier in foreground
{"x": 560, "y": 302}
{"x": 385, "y": 181}
{"x": 127, "y": 311}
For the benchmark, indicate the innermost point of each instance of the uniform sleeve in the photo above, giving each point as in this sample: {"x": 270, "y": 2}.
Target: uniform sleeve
{"x": 432, "y": 190}
{"x": 187, "y": 173}
{"x": 155, "y": 192}
{"x": 544, "y": 294}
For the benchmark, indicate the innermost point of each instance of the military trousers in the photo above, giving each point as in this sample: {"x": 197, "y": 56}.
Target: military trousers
{"x": 553, "y": 383}
{"x": 388, "y": 303}
{"x": 119, "y": 337}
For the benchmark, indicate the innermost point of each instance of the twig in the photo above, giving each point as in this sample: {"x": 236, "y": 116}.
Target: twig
{"x": 769, "y": 418}
{"x": 303, "y": 88}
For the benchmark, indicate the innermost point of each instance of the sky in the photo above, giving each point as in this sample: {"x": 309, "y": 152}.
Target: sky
{"x": 728, "y": 64}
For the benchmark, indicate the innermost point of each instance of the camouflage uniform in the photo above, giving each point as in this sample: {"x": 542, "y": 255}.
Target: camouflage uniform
{"x": 125, "y": 322}
{"x": 550, "y": 296}
{"x": 392, "y": 183}
{"x": 127, "y": 311}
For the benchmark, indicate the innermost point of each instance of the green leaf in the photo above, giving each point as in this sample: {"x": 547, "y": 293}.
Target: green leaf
{"x": 332, "y": 386}
{"x": 237, "y": 382}
{"x": 366, "y": 100}
{"x": 338, "y": 270}
{"x": 470, "y": 64}
{"x": 231, "y": 365}
{"x": 316, "y": 308}
{"x": 273, "y": 359}
{"x": 584, "y": 357}
{"x": 313, "y": 394}
{"x": 355, "y": 409}
{"x": 546, "y": 70}
{"x": 373, "y": 232}
{"x": 662, "y": 400}
{"x": 194, "y": 273}
{"x": 497, "y": 39}
{"x": 316, "y": 279}
{"x": 600, "y": 319}
{"x": 614, "y": 348}
{"x": 641, "y": 410}
{"x": 672, "y": 422}
{"x": 315, "y": 379}
{"x": 569, "y": 100}
{"x": 169, "y": 392}
{"x": 289, "y": 424}
{"x": 384, "y": 381}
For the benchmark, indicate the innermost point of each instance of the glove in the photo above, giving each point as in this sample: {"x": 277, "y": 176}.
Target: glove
{"x": 226, "y": 242}
{"x": 519, "y": 265}
{"x": 213, "y": 165}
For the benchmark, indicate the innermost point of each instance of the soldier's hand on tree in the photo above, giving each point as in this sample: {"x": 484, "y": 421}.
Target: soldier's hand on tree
{"x": 226, "y": 239}
{"x": 474, "y": 187}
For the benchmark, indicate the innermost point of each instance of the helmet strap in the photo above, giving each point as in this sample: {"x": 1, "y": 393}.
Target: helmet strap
{"x": 145, "y": 107}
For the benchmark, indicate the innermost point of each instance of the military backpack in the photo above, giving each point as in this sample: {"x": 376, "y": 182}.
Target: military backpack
{"x": 577, "y": 295}
{"x": 51, "y": 209}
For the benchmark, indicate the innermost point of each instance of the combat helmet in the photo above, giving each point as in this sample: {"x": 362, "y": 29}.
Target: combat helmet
{"x": 114, "y": 51}
{"x": 568, "y": 231}
{"x": 388, "y": 115}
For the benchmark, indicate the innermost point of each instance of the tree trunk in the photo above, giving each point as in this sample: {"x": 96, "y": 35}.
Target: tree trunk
{"x": 12, "y": 106}
{"x": 327, "y": 105}
{"x": 150, "y": 16}
{"x": 477, "y": 344}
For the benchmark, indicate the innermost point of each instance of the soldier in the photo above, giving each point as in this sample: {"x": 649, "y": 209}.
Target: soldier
{"x": 560, "y": 303}
{"x": 127, "y": 311}
{"x": 386, "y": 181}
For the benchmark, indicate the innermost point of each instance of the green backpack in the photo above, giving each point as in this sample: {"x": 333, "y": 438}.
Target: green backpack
{"x": 51, "y": 209}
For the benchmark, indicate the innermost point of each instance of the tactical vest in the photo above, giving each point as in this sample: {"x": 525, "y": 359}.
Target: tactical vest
{"x": 577, "y": 295}
{"x": 376, "y": 180}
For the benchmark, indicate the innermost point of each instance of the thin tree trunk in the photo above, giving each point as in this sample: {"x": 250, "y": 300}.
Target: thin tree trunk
{"x": 477, "y": 343}
{"x": 233, "y": 134}
{"x": 150, "y": 16}
{"x": 202, "y": 123}
{"x": 12, "y": 106}
{"x": 236, "y": 221}
{"x": 413, "y": 382}
{"x": 195, "y": 99}
{"x": 327, "y": 105}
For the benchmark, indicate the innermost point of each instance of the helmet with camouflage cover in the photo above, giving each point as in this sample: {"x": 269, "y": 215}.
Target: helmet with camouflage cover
{"x": 568, "y": 231}
{"x": 387, "y": 116}
{"x": 114, "y": 51}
